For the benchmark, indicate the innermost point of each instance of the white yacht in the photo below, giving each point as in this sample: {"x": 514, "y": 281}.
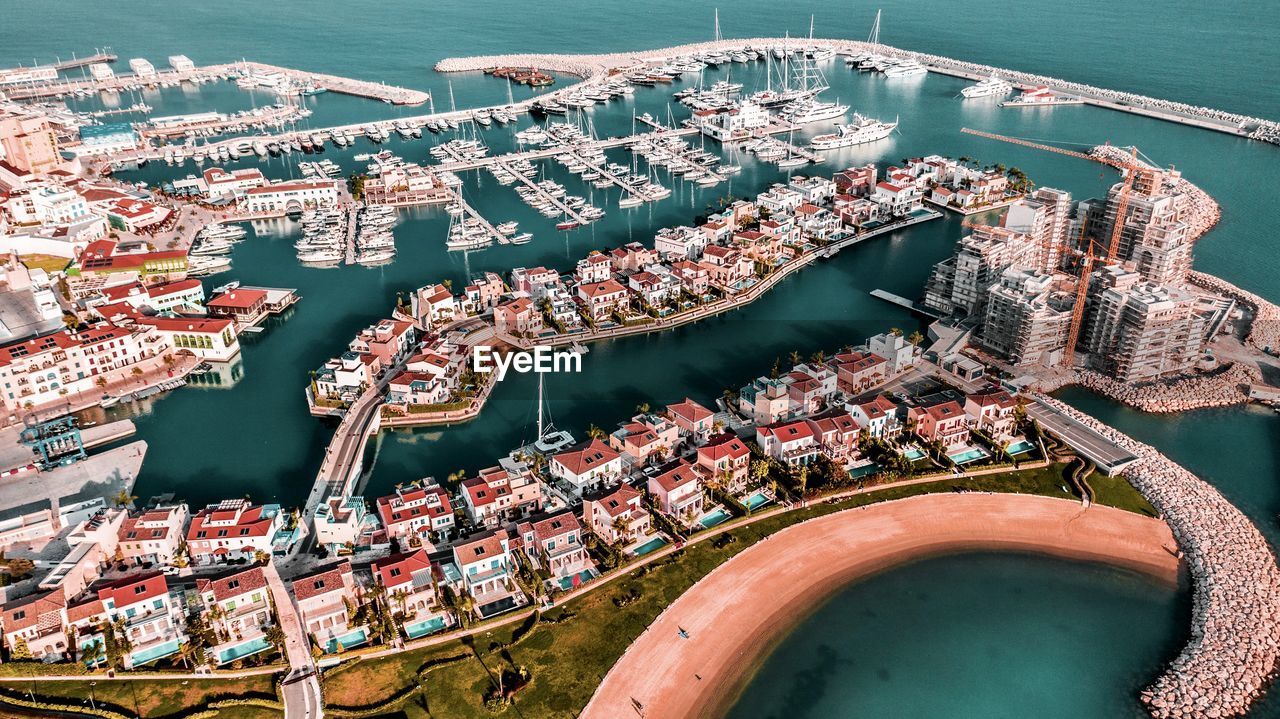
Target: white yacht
{"x": 810, "y": 110}
{"x": 990, "y": 87}
{"x": 906, "y": 68}
{"x": 861, "y": 130}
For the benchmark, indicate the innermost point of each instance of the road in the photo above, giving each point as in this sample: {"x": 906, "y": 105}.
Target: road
{"x": 301, "y": 688}
{"x": 1106, "y": 453}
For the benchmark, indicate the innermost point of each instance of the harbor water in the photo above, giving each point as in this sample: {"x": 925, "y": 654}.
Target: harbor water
{"x": 244, "y": 430}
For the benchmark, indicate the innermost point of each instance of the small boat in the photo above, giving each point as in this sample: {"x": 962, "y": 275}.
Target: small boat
{"x": 567, "y": 225}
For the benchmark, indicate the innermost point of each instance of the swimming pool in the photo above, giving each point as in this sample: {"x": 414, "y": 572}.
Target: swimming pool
{"x": 913, "y": 454}
{"x": 758, "y": 499}
{"x": 1020, "y": 447}
{"x": 714, "y": 518}
{"x": 240, "y": 651}
{"x": 424, "y": 627}
{"x": 649, "y": 546}
{"x": 566, "y": 583}
{"x": 151, "y": 654}
{"x": 349, "y": 640}
{"x": 971, "y": 455}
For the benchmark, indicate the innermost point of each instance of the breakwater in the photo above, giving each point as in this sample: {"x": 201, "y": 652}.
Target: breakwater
{"x": 1220, "y": 389}
{"x": 1235, "y": 634}
{"x": 1264, "y": 332}
{"x": 592, "y": 68}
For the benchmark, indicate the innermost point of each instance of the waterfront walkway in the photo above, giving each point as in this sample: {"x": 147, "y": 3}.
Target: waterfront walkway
{"x": 300, "y": 689}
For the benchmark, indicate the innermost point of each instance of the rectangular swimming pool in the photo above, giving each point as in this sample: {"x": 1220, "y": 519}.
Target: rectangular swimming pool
{"x": 566, "y": 583}
{"x": 971, "y": 455}
{"x": 348, "y": 641}
{"x": 649, "y": 546}
{"x": 240, "y": 651}
{"x": 716, "y": 517}
{"x": 913, "y": 454}
{"x": 758, "y": 499}
{"x": 1020, "y": 447}
{"x": 151, "y": 654}
{"x": 424, "y": 627}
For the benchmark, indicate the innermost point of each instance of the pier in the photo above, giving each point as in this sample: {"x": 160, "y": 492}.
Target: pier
{"x": 61, "y": 65}
{"x": 349, "y": 248}
{"x": 332, "y": 83}
{"x": 473, "y": 213}
{"x": 904, "y": 303}
{"x": 605, "y": 174}
{"x": 568, "y": 211}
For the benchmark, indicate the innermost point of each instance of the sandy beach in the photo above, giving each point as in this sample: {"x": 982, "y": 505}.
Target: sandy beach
{"x": 742, "y": 608}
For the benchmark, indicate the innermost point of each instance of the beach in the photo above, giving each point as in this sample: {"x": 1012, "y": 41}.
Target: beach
{"x": 742, "y": 608}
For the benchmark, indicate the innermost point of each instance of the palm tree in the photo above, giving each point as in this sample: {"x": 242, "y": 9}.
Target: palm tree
{"x": 794, "y": 357}
{"x": 915, "y": 338}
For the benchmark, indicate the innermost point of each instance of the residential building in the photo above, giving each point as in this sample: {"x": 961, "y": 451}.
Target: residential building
{"x": 590, "y": 464}
{"x": 418, "y": 513}
{"x": 233, "y": 529}
{"x": 1027, "y": 319}
{"x": 237, "y": 606}
{"x": 694, "y": 421}
{"x": 408, "y": 587}
{"x": 877, "y": 417}
{"x": 488, "y": 572}
{"x": 554, "y": 543}
{"x": 992, "y": 411}
{"x": 944, "y": 422}
{"x": 617, "y": 516}
{"x": 154, "y": 535}
{"x": 727, "y": 459}
{"x": 326, "y": 606}
{"x": 677, "y": 490}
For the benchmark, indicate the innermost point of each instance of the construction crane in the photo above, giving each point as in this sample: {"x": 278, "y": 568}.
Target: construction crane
{"x": 1130, "y": 170}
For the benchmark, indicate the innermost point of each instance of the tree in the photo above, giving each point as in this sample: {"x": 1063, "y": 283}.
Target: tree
{"x": 803, "y": 479}
{"x": 275, "y": 635}
{"x": 595, "y": 432}
{"x": 20, "y": 651}
{"x": 794, "y": 357}
{"x": 124, "y": 499}
{"x": 915, "y": 338}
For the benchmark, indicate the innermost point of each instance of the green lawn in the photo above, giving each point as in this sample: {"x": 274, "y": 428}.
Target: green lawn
{"x": 153, "y": 697}
{"x": 567, "y": 659}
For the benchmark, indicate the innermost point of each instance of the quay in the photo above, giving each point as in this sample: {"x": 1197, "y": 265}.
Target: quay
{"x": 17, "y": 457}
{"x": 349, "y": 245}
{"x": 74, "y": 62}
{"x": 332, "y": 83}
{"x": 102, "y": 475}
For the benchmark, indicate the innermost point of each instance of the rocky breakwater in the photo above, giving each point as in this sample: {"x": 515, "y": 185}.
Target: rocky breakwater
{"x": 589, "y": 67}
{"x": 1264, "y": 332}
{"x": 1235, "y": 634}
{"x": 1218, "y": 389}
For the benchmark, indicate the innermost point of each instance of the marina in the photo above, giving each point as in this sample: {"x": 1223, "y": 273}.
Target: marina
{"x": 558, "y": 157}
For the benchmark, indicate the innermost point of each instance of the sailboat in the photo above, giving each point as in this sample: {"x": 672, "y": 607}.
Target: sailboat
{"x": 549, "y": 439}
{"x": 791, "y": 160}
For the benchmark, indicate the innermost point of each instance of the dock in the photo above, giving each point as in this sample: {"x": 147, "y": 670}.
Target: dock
{"x": 15, "y": 455}
{"x": 333, "y": 83}
{"x": 473, "y": 213}
{"x": 904, "y": 303}
{"x": 568, "y": 211}
{"x": 606, "y": 174}
{"x": 61, "y": 65}
{"x": 349, "y": 251}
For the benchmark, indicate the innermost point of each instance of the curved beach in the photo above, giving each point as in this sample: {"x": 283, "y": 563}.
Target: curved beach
{"x": 735, "y": 613}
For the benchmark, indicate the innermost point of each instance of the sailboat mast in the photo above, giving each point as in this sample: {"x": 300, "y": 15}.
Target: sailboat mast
{"x": 540, "y": 380}
{"x": 718, "y": 38}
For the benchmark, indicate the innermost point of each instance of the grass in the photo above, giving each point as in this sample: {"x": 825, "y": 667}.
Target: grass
{"x": 48, "y": 263}
{"x": 568, "y": 658}
{"x": 153, "y": 697}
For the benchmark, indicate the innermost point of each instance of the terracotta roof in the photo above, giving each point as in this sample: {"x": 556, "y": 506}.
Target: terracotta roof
{"x": 320, "y": 583}
{"x": 677, "y": 476}
{"x": 234, "y": 584}
{"x": 689, "y": 410}
{"x": 594, "y": 454}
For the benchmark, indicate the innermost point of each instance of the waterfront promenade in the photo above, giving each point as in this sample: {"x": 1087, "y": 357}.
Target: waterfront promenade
{"x": 734, "y": 613}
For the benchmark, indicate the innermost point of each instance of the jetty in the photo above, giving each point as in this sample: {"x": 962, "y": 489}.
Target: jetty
{"x": 605, "y": 173}
{"x": 468, "y": 211}
{"x": 332, "y": 83}
{"x": 596, "y": 68}
{"x": 568, "y": 211}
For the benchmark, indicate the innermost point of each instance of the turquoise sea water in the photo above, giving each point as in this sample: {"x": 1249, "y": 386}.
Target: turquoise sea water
{"x": 246, "y": 432}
